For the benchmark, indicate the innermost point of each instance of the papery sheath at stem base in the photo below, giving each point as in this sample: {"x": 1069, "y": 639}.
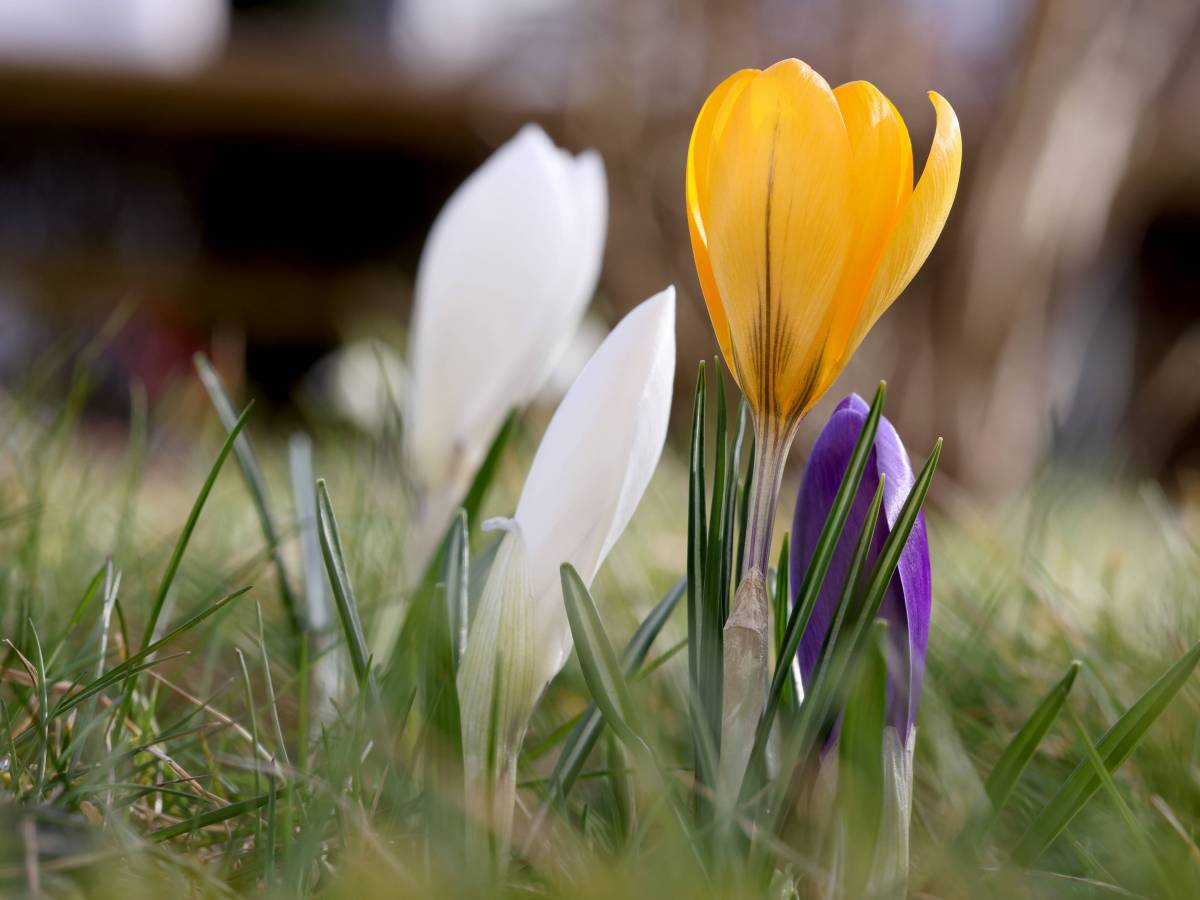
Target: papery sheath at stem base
{"x": 747, "y": 657}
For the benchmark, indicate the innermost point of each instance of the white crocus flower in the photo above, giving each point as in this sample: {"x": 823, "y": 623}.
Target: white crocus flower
{"x": 505, "y": 276}
{"x": 590, "y": 471}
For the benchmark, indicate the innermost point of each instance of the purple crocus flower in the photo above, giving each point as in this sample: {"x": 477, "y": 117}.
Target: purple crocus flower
{"x": 906, "y": 603}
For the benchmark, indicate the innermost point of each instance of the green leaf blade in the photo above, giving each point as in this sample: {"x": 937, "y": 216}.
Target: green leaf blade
{"x": 1020, "y": 750}
{"x": 1113, "y": 747}
{"x": 339, "y": 582}
{"x": 583, "y": 737}
{"x": 596, "y": 657}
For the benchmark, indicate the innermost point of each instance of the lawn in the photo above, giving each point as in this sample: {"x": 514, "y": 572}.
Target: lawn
{"x": 238, "y": 758}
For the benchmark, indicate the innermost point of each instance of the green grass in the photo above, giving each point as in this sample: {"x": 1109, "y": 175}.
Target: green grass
{"x": 160, "y": 736}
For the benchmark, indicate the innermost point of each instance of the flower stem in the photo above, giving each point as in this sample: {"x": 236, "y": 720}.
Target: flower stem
{"x": 772, "y": 440}
{"x": 747, "y": 655}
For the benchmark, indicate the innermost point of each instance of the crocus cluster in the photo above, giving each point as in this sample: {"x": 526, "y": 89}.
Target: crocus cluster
{"x": 504, "y": 278}
{"x": 805, "y": 225}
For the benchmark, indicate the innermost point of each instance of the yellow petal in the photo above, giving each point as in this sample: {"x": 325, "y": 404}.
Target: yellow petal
{"x": 710, "y": 123}
{"x": 919, "y": 224}
{"x": 882, "y": 175}
{"x": 777, "y": 228}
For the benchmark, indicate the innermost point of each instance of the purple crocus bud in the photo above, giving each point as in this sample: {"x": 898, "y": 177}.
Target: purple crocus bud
{"x": 906, "y": 603}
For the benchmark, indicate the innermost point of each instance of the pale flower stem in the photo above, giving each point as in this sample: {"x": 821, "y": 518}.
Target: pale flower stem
{"x": 772, "y": 440}
{"x": 747, "y": 652}
{"x": 889, "y": 869}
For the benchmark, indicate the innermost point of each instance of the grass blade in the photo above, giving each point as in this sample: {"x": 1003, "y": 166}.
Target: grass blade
{"x": 212, "y": 817}
{"x": 1113, "y": 747}
{"x": 190, "y": 526}
{"x": 81, "y": 608}
{"x": 255, "y": 483}
{"x": 1110, "y": 787}
{"x": 339, "y": 581}
{"x": 43, "y": 715}
{"x": 1012, "y": 762}
{"x": 1020, "y": 749}
{"x": 140, "y": 660}
{"x": 280, "y": 742}
{"x": 252, "y": 712}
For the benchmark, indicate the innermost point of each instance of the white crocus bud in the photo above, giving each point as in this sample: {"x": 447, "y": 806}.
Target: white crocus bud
{"x": 590, "y": 471}
{"x": 595, "y": 462}
{"x": 504, "y": 278}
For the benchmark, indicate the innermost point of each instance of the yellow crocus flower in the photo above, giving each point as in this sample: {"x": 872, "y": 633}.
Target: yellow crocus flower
{"x": 805, "y": 226}
{"x": 805, "y": 223}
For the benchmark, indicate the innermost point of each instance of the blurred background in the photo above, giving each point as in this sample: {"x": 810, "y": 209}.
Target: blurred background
{"x": 255, "y": 178}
